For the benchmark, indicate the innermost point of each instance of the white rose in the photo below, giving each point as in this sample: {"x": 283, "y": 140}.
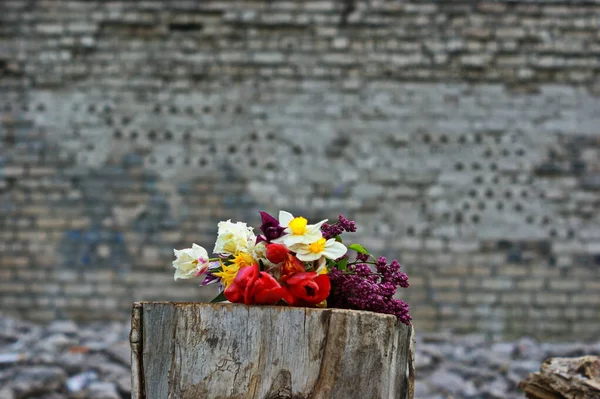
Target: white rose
{"x": 233, "y": 238}
{"x": 190, "y": 262}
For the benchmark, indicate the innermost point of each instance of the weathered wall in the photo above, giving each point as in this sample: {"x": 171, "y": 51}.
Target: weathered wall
{"x": 463, "y": 137}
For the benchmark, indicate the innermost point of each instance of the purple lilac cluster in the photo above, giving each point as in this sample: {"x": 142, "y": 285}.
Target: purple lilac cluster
{"x": 334, "y": 230}
{"x": 362, "y": 289}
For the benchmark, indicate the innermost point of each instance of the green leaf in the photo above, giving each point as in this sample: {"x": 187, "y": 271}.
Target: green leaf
{"x": 343, "y": 264}
{"x": 261, "y": 265}
{"x": 359, "y": 248}
{"x": 338, "y": 238}
{"x": 219, "y": 298}
{"x": 330, "y": 264}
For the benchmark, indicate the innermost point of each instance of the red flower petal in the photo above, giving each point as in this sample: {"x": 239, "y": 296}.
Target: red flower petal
{"x": 276, "y": 253}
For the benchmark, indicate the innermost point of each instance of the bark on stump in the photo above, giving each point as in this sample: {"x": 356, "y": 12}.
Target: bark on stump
{"x": 565, "y": 378}
{"x": 199, "y": 350}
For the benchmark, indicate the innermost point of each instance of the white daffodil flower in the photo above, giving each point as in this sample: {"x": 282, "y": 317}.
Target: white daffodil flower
{"x": 233, "y": 238}
{"x": 190, "y": 262}
{"x": 330, "y": 249}
{"x": 297, "y": 230}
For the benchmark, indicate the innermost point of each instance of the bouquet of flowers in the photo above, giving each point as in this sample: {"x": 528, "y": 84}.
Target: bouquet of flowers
{"x": 297, "y": 264}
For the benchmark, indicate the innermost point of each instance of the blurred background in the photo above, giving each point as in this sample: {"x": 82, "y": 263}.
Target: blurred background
{"x": 463, "y": 138}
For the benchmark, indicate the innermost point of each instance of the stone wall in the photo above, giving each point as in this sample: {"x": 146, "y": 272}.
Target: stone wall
{"x": 464, "y": 138}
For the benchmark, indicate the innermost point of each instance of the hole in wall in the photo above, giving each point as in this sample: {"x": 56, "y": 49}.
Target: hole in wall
{"x": 458, "y": 218}
{"x": 545, "y": 220}
{"x": 185, "y": 27}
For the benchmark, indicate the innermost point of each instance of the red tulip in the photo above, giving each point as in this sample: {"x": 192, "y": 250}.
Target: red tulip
{"x": 307, "y": 288}
{"x": 276, "y": 253}
{"x": 290, "y": 267}
{"x": 236, "y": 291}
{"x": 266, "y": 291}
{"x": 253, "y": 287}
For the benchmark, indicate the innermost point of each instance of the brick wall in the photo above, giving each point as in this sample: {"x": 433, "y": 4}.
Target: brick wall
{"x": 464, "y": 138}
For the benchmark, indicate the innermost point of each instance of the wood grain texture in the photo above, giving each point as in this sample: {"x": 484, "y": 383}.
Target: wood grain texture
{"x": 198, "y": 350}
{"x": 135, "y": 339}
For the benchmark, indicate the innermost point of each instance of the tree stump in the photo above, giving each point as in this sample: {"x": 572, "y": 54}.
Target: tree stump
{"x": 201, "y": 350}
{"x": 565, "y": 378}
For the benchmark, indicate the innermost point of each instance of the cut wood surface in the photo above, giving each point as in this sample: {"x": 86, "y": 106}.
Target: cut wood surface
{"x": 565, "y": 378}
{"x": 199, "y": 350}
